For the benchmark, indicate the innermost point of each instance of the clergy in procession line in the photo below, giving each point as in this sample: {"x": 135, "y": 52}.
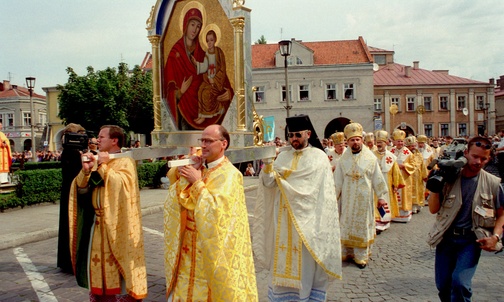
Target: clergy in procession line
{"x": 208, "y": 251}
{"x": 334, "y": 155}
{"x": 296, "y": 225}
{"x": 428, "y": 155}
{"x": 435, "y": 147}
{"x": 407, "y": 168}
{"x": 427, "y": 151}
{"x": 369, "y": 140}
{"x": 357, "y": 178}
{"x": 393, "y": 178}
{"x": 106, "y": 235}
{"x": 419, "y": 176}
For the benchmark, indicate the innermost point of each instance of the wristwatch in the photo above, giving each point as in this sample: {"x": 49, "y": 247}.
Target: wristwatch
{"x": 498, "y": 237}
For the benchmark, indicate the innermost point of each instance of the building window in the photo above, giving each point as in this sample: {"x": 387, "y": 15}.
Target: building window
{"x": 396, "y": 101}
{"x": 42, "y": 118}
{"x": 428, "y": 130}
{"x": 304, "y": 92}
{"x": 444, "y": 129}
{"x": 331, "y": 92}
{"x": 259, "y": 94}
{"x": 349, "y": 92}
{"x": 480, "y": 102}
{"x": 284, "y": 95}
{"x": 26, "y": 119}
{"x": 10, "y": 119}
{"x": 461, "y": 102}
{"x": 294, "y": 60}
{"x": 380, "y": 59}
{"x": 411, "y": 103}
{"x": 378, "y": 104}
{"x": 462, "y": 129}
{"x": 443, "y": 103}
{"x": 427, "y": 102}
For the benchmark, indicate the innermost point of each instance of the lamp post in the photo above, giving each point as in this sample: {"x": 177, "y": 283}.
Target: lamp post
{"x": 285, "y": 50}
{"x": 485, "y": 122}
{"x": 30, "y": 83}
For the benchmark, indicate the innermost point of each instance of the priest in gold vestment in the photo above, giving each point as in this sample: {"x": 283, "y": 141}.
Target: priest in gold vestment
{"x": 419, "y": 176}
{"x": 357, "y": 178}
{"x": 208, "y": 251}
{"x": 5, "y": 157}
{"x": 393, "y": 178}
{"x": 404, "y": 195}
{"x": 106, "y": 245}
{"x": 296, "y": 225}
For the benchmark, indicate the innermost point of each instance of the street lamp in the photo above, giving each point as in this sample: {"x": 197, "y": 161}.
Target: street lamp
{"x": 486, "y": 106}
{"x": 30, "y": 83}
{"x": 285, "y": 50}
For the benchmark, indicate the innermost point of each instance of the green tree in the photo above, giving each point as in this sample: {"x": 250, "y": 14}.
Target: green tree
{"x": 261, "y": 40}
{"x": 110, "y": 96}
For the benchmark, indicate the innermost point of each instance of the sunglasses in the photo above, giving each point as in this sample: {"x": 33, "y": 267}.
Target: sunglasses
{"x": 295, "y": 134}
{"x": 480, "y": 144}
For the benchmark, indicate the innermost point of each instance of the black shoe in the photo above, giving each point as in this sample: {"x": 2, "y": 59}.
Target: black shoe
{"x": 361, "y": 265}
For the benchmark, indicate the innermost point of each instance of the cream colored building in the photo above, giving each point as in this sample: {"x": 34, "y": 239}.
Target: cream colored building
{"x": 15, "y": 116}
{"x": 330, "y": 81}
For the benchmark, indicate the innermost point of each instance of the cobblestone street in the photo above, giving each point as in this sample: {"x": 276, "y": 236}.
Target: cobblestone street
{"x": 401, "y": 269}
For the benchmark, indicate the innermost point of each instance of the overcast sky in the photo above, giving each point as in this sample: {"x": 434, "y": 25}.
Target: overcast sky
{"x": 43, "y": 38}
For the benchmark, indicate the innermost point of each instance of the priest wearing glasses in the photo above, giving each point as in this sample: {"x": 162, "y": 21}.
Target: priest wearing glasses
{"x": 296, "y": 227}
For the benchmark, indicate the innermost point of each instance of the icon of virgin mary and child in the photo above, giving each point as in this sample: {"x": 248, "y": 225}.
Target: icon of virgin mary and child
{"x": 197, "y": 89}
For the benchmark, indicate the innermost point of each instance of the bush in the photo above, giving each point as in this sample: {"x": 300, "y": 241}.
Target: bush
{"x": 38, "y": 186}
{"x": 149, "y": 173}
{"x": 9, "y": 201}
{"x": 29, "y": 165}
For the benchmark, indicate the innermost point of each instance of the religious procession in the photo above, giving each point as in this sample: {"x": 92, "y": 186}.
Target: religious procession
{"x": 381, "y": 181}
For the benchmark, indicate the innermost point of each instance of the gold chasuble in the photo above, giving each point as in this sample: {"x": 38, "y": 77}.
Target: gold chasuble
{"x": 405, "y": 195}
{"x": 208, "y": 252}
{"x": 394, "y": 180}
{"x": 5, "y": 154}
{"x": 115, "y": 261}
{"x": 296, "y": 205}
{"x": 358, "y": 177}
{"x": 418, "y": 177}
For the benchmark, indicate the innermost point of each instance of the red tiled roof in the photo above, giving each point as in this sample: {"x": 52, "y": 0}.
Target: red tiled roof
{"x": 147, "y": 62}
{"x": 324, "y": 53}
{"x": 395, "y": 75}
{"x": 376, "y": 49}
{"x": 15, "y": 92}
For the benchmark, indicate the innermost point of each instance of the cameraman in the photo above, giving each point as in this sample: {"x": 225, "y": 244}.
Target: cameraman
{"x": 70, "y": 166}
{"x": 474, "y": 193}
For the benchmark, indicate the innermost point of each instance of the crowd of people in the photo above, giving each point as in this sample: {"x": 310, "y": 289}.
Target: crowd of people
{"x": 319, "y": 203}
{"x": 380, "y": 179}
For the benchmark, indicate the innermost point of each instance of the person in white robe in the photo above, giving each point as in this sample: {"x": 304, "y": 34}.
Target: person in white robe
{"x": 338, "y": 139}
{"x": 296, "y": 224}
{"x": 357, "y": 178}
{"x": 393, "y": 177}
{"x": 404, "y": 195}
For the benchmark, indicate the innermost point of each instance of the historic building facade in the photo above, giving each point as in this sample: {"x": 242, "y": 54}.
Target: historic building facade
{"x": 433, "y": 103}
{"x": 499, "y": 103}
{"x": 15, "y": 116}
{"x": 330, "y": 81}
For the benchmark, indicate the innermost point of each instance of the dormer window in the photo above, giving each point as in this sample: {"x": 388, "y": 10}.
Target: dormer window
{"x": 294, "y": 60}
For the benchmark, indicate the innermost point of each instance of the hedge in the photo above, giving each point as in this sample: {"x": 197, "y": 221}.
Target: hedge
{"x": 43, "y": 184}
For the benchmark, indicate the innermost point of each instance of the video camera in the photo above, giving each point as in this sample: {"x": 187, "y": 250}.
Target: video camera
{"x": 73, "y": 140}
{"x": 449, "y": 164}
